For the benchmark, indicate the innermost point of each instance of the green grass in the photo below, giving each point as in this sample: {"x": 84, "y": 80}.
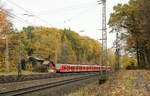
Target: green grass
{"x": 129, "y": 83}
{"x": 145, "y": 75}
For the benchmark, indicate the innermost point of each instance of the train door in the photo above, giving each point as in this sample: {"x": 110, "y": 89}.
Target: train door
{"x": 72, "y": 68}
{"x": 102, "y": 67}
{"x": 87, "y": 68}
{"x": 80, "y": 68}
{"x": 77, "y": 68}
{"x": 68, "y": 68}
{"x": 109, "y": 67}
{"x": 96, "y": 68}
{"x": 92, "y": 68}
{"x": 83, "y": 68}
{"x": 62, "y": 68}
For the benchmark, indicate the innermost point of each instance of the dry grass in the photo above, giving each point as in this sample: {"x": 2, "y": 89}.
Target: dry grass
{"x": 23, "y": 73}
{"x": 123, "y": 83}
{"x": 85, "y": 90}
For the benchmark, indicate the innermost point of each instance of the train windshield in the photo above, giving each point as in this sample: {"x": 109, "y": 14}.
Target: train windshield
{"x": 57, "y": 66}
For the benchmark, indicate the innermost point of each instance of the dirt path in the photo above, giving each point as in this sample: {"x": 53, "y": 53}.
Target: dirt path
{"x": 142, "y": 85}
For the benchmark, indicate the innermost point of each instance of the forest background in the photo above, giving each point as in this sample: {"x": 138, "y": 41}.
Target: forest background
{"x": 69, "y": 46}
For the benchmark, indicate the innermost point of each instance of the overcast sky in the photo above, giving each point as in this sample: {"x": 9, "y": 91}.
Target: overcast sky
{"x": 75, "y": 14}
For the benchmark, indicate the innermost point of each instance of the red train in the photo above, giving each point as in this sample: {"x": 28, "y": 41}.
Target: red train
{"x": 79, "y": 68}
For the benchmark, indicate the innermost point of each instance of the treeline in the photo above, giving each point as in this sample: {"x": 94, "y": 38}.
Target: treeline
{"x": 65, "y": 46}
{"x": 133, "y": 21}
{"x": 61, "y": 45}
{"x": 69, "y": 45}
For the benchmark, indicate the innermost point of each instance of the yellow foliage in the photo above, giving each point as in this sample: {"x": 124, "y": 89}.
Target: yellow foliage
{"x": 127, "y": 61}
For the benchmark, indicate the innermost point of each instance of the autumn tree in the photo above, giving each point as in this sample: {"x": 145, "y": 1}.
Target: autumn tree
{"x": 69, "y": 46}
{"x": 133, "y": 21}
{"x": 6, "y": 28}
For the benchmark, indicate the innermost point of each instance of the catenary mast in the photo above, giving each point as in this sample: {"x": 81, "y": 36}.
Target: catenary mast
{"x": 104, "y": 33}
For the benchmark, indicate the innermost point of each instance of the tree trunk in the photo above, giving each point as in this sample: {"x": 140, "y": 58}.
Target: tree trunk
{"x": 137, "y": 54}
{"x": 147, "y": 52}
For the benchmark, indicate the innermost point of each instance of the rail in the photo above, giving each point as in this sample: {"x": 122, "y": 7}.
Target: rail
{"x": 19, "y": 92}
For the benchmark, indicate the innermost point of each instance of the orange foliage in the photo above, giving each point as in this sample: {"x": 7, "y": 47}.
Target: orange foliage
{"x": 4, "y": 20}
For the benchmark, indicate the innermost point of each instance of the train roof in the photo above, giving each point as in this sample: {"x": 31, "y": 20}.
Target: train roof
{"x": 80, "y": 65}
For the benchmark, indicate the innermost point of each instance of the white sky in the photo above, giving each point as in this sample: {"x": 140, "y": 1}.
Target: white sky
{"x": 75, "y": 14}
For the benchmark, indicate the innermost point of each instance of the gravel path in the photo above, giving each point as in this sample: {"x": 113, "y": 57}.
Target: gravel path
{"x": 17, "y": 85}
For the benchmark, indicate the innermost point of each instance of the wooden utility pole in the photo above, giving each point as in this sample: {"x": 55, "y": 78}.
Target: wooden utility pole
{"x": 7, "y": 55}
{"x": 19, "y": 58}
{"x": 6, "y": 52}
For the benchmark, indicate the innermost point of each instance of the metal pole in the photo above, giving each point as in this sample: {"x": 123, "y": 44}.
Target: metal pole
{"x": 117, "y": 53}
{"x": 104, "y": 33}
{"x": 84, "y": 58}
{"x": 56, "y": 54}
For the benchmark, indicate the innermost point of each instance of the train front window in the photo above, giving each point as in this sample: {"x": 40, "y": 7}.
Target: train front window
{"x": 57, "y": 66}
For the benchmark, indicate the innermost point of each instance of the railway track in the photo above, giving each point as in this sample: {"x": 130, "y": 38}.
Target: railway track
{"x": 10, "y": 79}
{"x": 28, "y": 90}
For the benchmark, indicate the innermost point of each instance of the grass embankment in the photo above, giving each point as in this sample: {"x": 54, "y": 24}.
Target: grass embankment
{"x": 23, "y": 73}
{"x": 123, "y": 83}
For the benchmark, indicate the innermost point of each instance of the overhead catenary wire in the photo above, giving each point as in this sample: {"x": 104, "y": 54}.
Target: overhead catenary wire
{"x": 11, "y": 15}
{"x": 76, "y": 15}
{"x": 31, "y": 14}
{"x": 17, "y": 17}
